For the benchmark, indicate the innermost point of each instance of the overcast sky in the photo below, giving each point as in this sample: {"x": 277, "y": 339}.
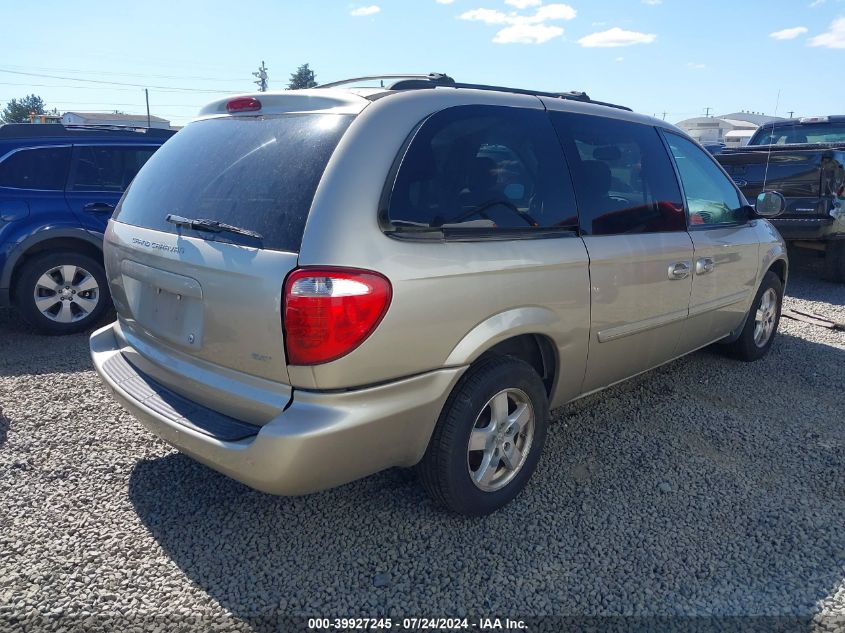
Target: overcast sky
{"x": 656, "y": 56}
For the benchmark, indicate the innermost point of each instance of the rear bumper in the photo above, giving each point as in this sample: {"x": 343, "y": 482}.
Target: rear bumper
{"x": 321, "y": 440}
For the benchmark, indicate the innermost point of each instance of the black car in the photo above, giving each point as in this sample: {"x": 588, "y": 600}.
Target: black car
{"x": 804, "y": 159}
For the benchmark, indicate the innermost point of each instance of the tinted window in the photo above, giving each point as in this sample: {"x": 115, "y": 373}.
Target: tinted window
{"x": 711, "y": 197}
{"x": 258, "y": 173}
{"x": 624, "y": 180}
{"x": 483, "y": 168}
{"x": 798, "y": 133}
{"x": 43, "y": 168}
{"x": 101, "y": 168}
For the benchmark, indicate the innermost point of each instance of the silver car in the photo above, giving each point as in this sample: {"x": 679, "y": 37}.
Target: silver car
{"x": 315, "y": 285}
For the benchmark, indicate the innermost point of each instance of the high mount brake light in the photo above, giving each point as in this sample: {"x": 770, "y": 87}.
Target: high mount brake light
{"x": 243, "y": 104}
{"x": 328, "y": 312}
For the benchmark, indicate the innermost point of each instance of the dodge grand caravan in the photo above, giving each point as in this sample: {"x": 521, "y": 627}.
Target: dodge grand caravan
{"x": 315, "y": 285}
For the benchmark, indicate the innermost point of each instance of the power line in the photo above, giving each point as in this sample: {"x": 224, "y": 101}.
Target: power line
{"x": 122, "y": 74}
{"x": 115, "y": 104}
{"x": 110, "y": 88}
{"x": 116, "y": 83}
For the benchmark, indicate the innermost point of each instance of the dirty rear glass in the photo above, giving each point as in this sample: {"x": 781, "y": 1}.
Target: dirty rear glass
{"x": 257, "y": 173}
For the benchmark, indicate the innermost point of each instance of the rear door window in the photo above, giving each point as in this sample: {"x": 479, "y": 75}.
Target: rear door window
{"x": 105, "y": 168}
{"x": 483, "y": 169}
{"x": 257, "y": 173}
{"x": 624, "y": 179}
{"x": 43, "y": 168}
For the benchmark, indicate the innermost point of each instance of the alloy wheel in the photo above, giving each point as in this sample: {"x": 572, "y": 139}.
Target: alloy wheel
{"x": 66, "y": 293}
{"x": 764, "y": 318}
{"x": 500, "y": 440}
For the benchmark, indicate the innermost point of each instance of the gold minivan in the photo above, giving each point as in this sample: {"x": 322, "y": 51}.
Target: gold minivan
{"x": 315, "y": 285}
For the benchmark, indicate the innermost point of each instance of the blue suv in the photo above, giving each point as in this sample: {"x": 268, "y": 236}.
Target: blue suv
{"x": 58, "y": 187}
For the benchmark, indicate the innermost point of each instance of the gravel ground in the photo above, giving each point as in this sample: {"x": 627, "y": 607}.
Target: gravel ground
{"x": 706, "y": 487}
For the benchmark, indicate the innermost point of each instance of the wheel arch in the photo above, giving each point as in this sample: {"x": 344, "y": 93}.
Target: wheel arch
{"x": 535, "y": 349}
{"x": 519, "y": 333}
{"x": 78, "y": 240}
{"x": 780, "y": 267}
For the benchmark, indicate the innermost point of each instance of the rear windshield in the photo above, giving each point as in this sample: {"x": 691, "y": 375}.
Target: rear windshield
{"x": 798, "y": 133}
{"x": 257, "y": 173}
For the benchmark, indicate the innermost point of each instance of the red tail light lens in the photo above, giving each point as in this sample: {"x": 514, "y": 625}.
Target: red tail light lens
{"x": 243, "y": 104}
{"x": 328, "y": 312}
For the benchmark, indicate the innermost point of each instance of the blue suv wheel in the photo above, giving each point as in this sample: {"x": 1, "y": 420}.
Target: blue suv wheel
{"x": 62, "y": 292}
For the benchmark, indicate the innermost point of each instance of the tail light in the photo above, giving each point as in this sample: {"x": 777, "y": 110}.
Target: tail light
{"x": 243, "y": 104}
{"x": 328, "y": 312}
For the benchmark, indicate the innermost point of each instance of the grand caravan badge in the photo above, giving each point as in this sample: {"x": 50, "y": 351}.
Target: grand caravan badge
{"x": 167, "y": 248}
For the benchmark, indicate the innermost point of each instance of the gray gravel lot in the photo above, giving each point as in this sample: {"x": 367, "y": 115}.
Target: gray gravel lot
{"x": 706, "y": 487}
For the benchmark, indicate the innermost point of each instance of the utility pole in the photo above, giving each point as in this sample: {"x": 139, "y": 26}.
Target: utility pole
{"x": 707, "y": 111}
{"x": 664, "y": 115}
{"x": 791, "y": 112}
{"x": 263, "y": 78}
{"x": 147, "y": 97}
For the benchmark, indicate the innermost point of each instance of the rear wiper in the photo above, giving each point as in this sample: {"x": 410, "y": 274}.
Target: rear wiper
{"x": 213, "y": 226}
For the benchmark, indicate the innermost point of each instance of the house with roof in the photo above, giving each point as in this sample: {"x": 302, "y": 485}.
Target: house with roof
{"x": 113, "y": 118}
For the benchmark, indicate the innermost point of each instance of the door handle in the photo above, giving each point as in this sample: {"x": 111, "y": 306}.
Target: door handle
{"x": 679, "y": 270}
{"x": 704, "y": 265}
{"x": 99, "y": 207}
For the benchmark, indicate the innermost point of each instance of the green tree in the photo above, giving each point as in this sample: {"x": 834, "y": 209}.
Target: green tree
{"x": 303, "y": 78}
{"x": 18, "y": 110}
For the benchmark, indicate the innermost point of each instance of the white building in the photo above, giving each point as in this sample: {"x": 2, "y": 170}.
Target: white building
{"x": 111, "y": 118}
{"x": 717, "y": 129}
{"x": 738, "y": 138}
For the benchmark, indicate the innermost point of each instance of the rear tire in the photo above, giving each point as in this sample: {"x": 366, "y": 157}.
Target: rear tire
{"x": 488, "y": 439}
{"x": 761, "y": 324}
{"x": 62, "y": 292}
{"x": 834, "y": 261}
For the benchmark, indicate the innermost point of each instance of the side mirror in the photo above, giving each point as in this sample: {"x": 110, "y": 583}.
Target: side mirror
{"x": 770, "y": 204}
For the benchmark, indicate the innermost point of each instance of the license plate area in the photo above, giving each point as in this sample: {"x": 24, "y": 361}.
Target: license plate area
{"x": 165, "y": 304}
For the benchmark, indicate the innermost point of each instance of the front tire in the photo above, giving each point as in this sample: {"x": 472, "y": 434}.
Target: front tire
{"x": 62, "y": 292}
{"x": 488, "y": 439}
{"x": 761, "y": 324}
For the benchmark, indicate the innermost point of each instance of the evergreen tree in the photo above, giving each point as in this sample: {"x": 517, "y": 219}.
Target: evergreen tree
{"x": 303, "y": 78}
{"x": 18, "y": 110}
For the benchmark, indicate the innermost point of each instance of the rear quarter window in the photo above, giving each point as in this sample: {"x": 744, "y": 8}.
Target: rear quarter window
{"x": 43, "y": 168}
{"x": 257, "y": 173}
{"x": 105, "y": 168}
{"x": 476, "y": 170}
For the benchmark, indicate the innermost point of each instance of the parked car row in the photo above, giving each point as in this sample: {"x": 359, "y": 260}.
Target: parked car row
{"x": 58, "y": 188}
{"x": 312, "y": 286}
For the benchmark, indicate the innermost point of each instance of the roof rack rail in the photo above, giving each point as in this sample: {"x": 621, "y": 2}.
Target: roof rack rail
{"x": 425, "y": 81}
{"x": 435, "y": 80}
{"x": 30, "y": 130}
{"x": 573, "y": 95}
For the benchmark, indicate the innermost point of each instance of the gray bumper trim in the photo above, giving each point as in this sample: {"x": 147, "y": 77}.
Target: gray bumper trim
{"x": 173, "y": 407}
